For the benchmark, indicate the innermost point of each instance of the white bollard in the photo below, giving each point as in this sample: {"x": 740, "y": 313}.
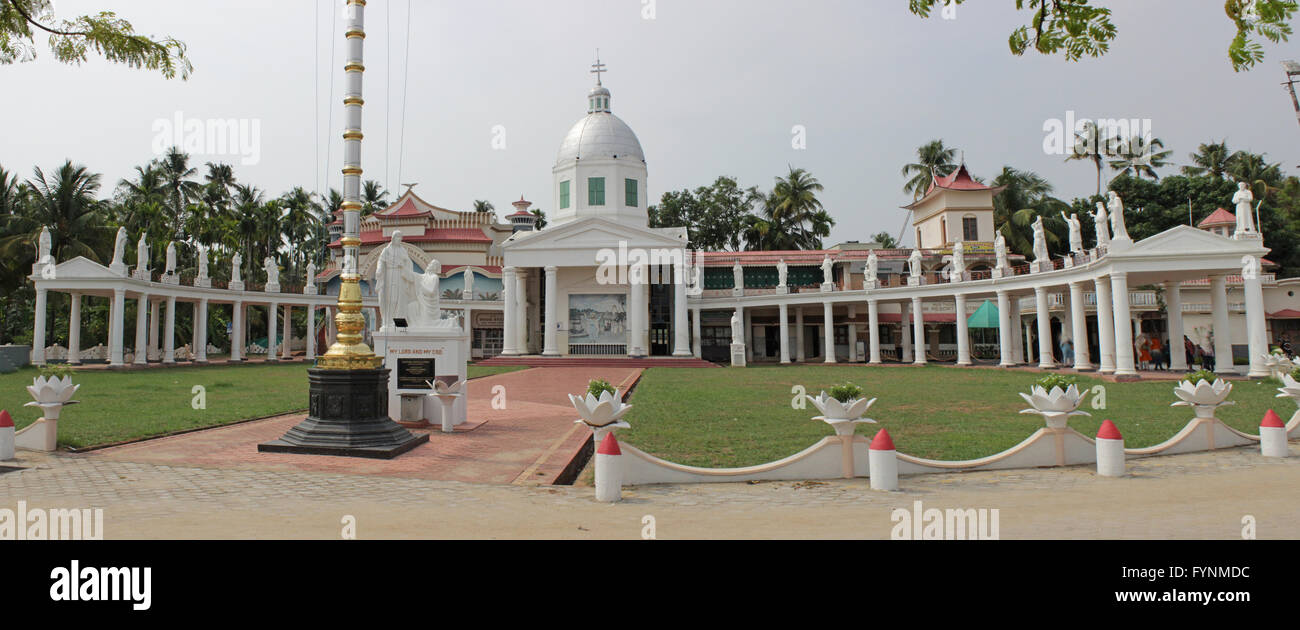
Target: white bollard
{"x": 883, "y": 463}
{"x": 1272, "y": 436}
{"x": 1110, "y": 451}
{"x": 609, "y": 470}
{"x": 6, "y": 436}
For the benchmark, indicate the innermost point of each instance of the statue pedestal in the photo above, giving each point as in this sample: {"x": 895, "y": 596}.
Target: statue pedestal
{"x": 348, "y": 418}
{"x": 737, "y": 355}
{"x": 417, "y": 355}
{"x": 1119, "y": 245}
{"x": 171, "y": 279}
{"x": 205, "y": 283}
{"x": 310, "y": 290}
{"x": 999, "y": 273}
{"x": 737, "y": 293}
{"x": 236, "y": 285}
{"x": 117, "y": 268}
{"x": 915, "y": 281}
{"x": 273, "y": 288}
{"x": 142, "y": 274}
{"x": 1069, "y": 262}
{"x": 828, "y": 287}
{"x": 782, "y": 290}
{"x": 1040, "y": 267}
{"x": 870, "y": 285}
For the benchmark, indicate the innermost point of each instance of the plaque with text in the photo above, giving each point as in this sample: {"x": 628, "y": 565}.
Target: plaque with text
{"x": 413, "y": 373}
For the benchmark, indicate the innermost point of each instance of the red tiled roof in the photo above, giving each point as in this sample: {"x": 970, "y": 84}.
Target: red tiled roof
{"x": 959, "y": 179}
{"x": 407, "y": 209}
{"x": 1219, "y": 217}
{"x": 522, "y": 213}
{"x": 1288, "y": 313}
{"x": 452, "y": 235}
{"x": 489, "y": 269}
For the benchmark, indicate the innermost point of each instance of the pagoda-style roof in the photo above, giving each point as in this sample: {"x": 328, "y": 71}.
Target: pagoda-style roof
{"x": 958, "y": 180}
{"x": 1218, "y": 218}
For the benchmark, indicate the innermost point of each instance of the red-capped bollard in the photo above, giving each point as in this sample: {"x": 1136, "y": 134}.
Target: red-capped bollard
{"x": 1110, "y": 451}
{"x": 609, "y": 470}
{"x": 6, "y": 436}
{"x": 883, "y": 463}
{"x": 1272, "y": 436}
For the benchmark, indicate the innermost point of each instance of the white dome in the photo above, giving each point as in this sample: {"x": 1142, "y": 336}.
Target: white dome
{"x": 601, "y": 135}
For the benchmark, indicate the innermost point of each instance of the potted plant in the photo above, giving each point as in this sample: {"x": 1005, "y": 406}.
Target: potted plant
{"x": 1204, "y": 391}
{"x": 1056, "y": 398}
{"x": 843, "y": 408}
{"x": 602, "y": 408}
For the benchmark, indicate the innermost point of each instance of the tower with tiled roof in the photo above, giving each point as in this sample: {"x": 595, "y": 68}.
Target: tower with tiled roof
{"x": 955, "y": 208}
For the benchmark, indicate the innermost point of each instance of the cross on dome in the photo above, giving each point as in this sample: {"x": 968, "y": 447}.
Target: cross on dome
{"x": 598, "y": 68}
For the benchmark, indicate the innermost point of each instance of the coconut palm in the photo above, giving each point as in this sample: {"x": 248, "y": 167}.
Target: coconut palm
{"x": 1139, "y": 156}
{"x": 1095, "y": 145}
{"x": 181, "y": 189}
{"x": 933, "y": 161}
{"x": 1211, "y": 158}
{"x": 1024, "y": 197}
{"x": 373, "y": 198}
{"x": 541, "y": 218}
{"x": 793, "y": 205}
{"x": 483, "y": 206}
{"x": 1263, "y": 178}
{"x": 63, "y": 201}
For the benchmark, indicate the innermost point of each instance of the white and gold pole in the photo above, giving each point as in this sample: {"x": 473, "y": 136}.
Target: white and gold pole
{"x": 349, "y": 351}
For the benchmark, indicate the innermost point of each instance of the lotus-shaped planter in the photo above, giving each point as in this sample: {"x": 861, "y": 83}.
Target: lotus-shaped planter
{"x": 1279, "y": 365}
{"x": 604, "y": 412}
{"x": 51, "y": 394}
{"x": 443, "y": 389}
{"x": 1056, "y": 406}
{"x": 842, "y": 416}
{"x": 1290, "y": 389}
{"x": 1204, "y": 396}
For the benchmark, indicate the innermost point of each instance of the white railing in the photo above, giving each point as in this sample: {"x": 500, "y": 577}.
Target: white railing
{"x": 598, "y": 349}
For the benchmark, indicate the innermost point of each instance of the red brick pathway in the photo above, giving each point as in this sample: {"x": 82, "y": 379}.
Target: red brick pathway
{"x": 530, "y": 441}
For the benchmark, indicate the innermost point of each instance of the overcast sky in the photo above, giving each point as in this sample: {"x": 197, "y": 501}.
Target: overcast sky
{"x": 712, "y": 87}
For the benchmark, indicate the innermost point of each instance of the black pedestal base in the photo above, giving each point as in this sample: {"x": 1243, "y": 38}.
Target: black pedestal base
{"x": 348, "y": 418}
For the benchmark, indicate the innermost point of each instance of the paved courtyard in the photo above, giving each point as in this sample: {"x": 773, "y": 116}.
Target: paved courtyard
{"x": 531, "y": 440}
{"x": 1202, "y": 495}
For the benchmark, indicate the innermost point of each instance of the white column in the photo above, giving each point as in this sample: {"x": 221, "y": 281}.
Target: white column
{"x": 1174, "y": 305}
{"x": 918, "y": 330}
{"x": 115, "y": 331}
{"x": 873, "y": 330}
{"x": 1046, "y": 358}
{"x": 551, "y": 349}
{"x": 1017, "y": 339}
{"x": 681, "y": 333}
{"x": 1079, "y": 319}
{"x": 963, "y": 332}
{"x": 169, "y": 337}
{"x": 331, "y": 328}
{"x": 1105, "y": 326}
{"x": 749, "y": 335}
{"x": 155, "y": 322}
{"x": 142, "y": 330}
{"x": 237, "y": 332}
{"x": 785, "y": 333}
{"x": 1028, "y": 341}
{"x": 800, "y": 354}
{"x": 286, "y": 351}
{"x": 636, "y": 310}
{"x": 194, "y": 332}
{"x": 510, "y": 325}
{"x": 853, "y": 340}
{"x": 469, "y": 333}
{"x": 1223, "y": 363}
{"x": 272, "y": 310}
{"x": 521, "y": 311}
{"x": 38, "y": 332}
{"x": 201, "y": 325}
{"x": 905, "y": 335}
{"x": 828, "y": 324}
{"x": 1125, "y": 364}
{"x": 1256, "y": 324}
{"x": 696, "y": 330}
{"x": 1006, "y": 332}
{"x": 74, "y": 330}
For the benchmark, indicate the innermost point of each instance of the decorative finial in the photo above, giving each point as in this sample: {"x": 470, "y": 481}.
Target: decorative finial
{"x": 598, "y": 68}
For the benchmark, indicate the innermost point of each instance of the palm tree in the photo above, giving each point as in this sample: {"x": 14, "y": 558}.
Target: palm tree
{"x": 541, "y": 218}
{"x": 793, "y": 204}
{"x": 1262, "y": 177}
{"x": 1025, "y": 196}
{"x": 12, "y": 193}
{"x": 933, "y": 161}
{"x": 373, "y": 198}
{"x": 64, "y": 202}
{"x": 483, "y": 206}
{"x": 301, "y": 218}
{"x": 181, "y": 190}
{"x": 771, "y": 229}
{"x": 885, "y": 240}
{"x": 249, "y": 201}
{"x": 1139, "y": 156}
{"x": 1212, "y": 158}
{"x": 1094, "y": 145}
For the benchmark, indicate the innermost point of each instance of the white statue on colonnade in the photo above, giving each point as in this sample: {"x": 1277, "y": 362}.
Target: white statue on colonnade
{"x": 119, "y": 249}
{"x": 44, "y": 245}
{"x": 142, "y": 256}
{"x": 1245, "y": 213}
{"x": 236, "y": 265}
{"x": 170, "y": 269}
{"x": 914, "y": 263}
{"x": 272, "y": 272}
{"x": 203, "y": 262}
{"x": 1102, "y": 221}
{"x": 1000, "y": 251}
{"x": 873, "y": 266}
{"x": 782, "y": 273}
{"x": 1076, "y": 232}
{"x": 737, "y": 329}
{"x": 468, "y": 292}
{"x": 1041, "y": 255}
{"x": 1120, "y": 230}
{"x": 738, "y": 276}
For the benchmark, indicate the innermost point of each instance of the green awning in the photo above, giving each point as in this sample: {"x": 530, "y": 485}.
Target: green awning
{"x": 985, "y": 317}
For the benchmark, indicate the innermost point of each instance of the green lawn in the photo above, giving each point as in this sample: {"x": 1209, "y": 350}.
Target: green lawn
{"x": 742, "y": 417}
{"x": 119, "y": 406}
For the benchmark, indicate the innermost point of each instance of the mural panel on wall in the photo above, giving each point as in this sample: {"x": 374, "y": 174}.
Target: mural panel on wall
{"x": 597, "y": 319}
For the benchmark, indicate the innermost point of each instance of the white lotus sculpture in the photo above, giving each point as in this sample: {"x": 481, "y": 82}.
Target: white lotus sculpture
{"x": 604, "y": 412}
{"x": 1205, "y": 397}
{"x": 842, "y": 416}
{"x": 1056, "y": 406}
{"x": 447, "y": 395}
{"x": 1290, "y": 389}
{"x": 443, "y": 389}
{"x": 51, "y": 394}
{"x": 1279, "y": 365}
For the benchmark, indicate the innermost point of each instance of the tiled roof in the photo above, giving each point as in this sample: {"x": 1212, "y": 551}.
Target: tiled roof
{"x": 447, "y": 235}
{"x": 1219, "y": 217}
